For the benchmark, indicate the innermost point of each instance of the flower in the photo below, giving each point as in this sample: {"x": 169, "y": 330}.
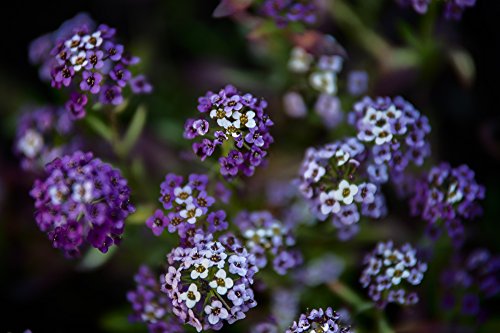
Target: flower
{"x": 215, "y": 312}
{"x": 329, "y": 109}
{"x": 319, "y": 320}
{"x": 234, "y": 120}
{"x": 345, "y": 192}
{"x": 191, "y": 296}
{"x": 285, "y": 12}
{"x": 453, "y": 9}
{"x": 324, "y": 82}
{"x": 390, "y": 272}
{"x": 81, "y": 199}
{"x": 157, "y": 222}
{"x": 357, "y": 82}
{"x": 300, "y": 60}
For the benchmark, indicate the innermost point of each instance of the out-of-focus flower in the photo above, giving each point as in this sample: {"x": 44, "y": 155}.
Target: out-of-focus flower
{"x": 211, "y": 282}
{"x": 329, "y": 109}
{"x": 150, "y": 305}
{"x": 81, "y": 199}
{"x": 357, "y": 82}
{"x": 319, "y": 320}
{"x": 447, "y": 196}
{"x": 284, "y": 12}
{"x": 453, "y": 9}
{"x": 294, "y": 105}
{"x": 238, "y": 124}
{"x": 324, "y": 269}
{"x": 391, "y": 273}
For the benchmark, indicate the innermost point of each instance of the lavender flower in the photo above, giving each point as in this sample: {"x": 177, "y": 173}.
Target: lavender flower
{"x": 37, "y": 134}
{"x": 284, "y": 12}
{"x": 390, "y": 272}
{"x": 395, "y": 131}
{"x": 210, "y": 282}
{"x": 357, "y": 82}
{"x": 319, "y": 320}
{"x": 453, "y": 9}
{"x": 150, "y": 305}
{"x": 447, "y": 196}
{"x": 236, "y": 122}
{"x": 81, "y": 199}
{"x": 265, "y": 235}
{"x": 324, "y": 269}
{"x": 470, "y": 279}
{"x": 334, "y": 180}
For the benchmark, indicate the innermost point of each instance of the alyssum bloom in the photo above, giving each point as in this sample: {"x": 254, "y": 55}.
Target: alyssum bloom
{"x": 395, "y": 132}
{"x": 81, "y": 199}
{"x": 391, "y": 273}
{"x": 334, "y": 180}
{"x": 236, "y": 122}
{"x": 319, "y": 321}
{"x": 284, "y": 12}
{"x": 447, "y": 196}
{"x": 210, "y": 282}
{"x": 264, "y": 235}
{"x": 453, "y": 9}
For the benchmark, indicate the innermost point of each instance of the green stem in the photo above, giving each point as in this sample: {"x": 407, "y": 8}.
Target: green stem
{"x": 349, "y": 295}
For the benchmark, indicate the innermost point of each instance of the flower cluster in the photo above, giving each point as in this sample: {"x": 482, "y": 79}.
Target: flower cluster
{"x": 264, "y": 235}
{"x": 81, "y": 199}
{"x": 93, "y": 64}
{"x": 470, "y": 279}
{"x": 390, "y": 271}
{"x": 453, "y": 9}
{"x": 151, "y": 305}
{"x": 447, "y": 195}
{"x": 322, "y": 74}
{"x": 333, "y": 179}
{"x": 210, "y": 282}
{"x": 187, "y": 205}
{"x": 238, "y": 123}
{"x": 396, "y": 131}
{"x": 37, "y": 131}
{"x": 319, "y": 320}
{"x": 284, "y": 12}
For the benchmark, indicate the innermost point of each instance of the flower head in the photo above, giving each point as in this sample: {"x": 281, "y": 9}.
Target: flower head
{"x": 284, "y": 12}
{"x": 319, "y": 320}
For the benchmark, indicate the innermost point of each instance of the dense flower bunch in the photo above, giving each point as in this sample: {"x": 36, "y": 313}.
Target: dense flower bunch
{"x": 389, "y": 273}
{"x": 469, "y": 280}
{"x": 264, "y": 235}
{"x": 151, "y": 305}
{"x": 284, "y": 12}
{"x": 319, "y": 320}
{"x": 188, "y": 207}
{"x": 453, "y": 9}
{"x": 210, "y": 282}
{"x": 81, "y": 199}
{"x": 321, "y": 73}
{"x": 93, "y": 64}
{"x": 334, "y": 181}
{"x": 396, "y": 132}
{"x": 238, "y": 123}
{"x": 447, "y": 195}
{"x": 36, "y": 133}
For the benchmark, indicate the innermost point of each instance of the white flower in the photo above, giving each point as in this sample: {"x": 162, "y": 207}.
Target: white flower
{"x": 79, "y": 60}
{"x": 300, "y": 60}
{"x": 346, "y": 192}
{"x": 221, "y": 115}
{"x": 382, "y": 135}
{"x": 31, "y": 143}
{"x": 392, "y": 257}
{"x": 244, "y": 119}
{"x": 325, "y": 82}
{"x": 454, "y": 194}
{"x": 397, "y": 273}
{"x": 314, "y": 172}
{"x": 328, "y": 203}
{"x": 221, "y": 282}
{"x": 93, "y": 40}
{"x": 191, "y": 212}
{"x": 191, "y": 296}
{"x": 83, "y": 192}
{"x": 342, "y": 157}
{"x": 57, "y": 194}
{"x": 183, "y": 194}
{"x": 393, "y": 113}
{"x": 74, "y": 43}
{"x": 216, "y": 312}
{"x": 201, "y": 269}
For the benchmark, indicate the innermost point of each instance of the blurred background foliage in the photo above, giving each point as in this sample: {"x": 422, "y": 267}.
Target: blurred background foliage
{"x": 448, "y": 70}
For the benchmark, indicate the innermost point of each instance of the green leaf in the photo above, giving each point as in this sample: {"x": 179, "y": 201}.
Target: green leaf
{"x": 95, "y": 258}
{"x": 98, "y": 126}
{"x": 134, "y": 130}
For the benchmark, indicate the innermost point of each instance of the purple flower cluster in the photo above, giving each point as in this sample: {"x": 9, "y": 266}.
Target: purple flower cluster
{"x": 334, "y": 180}
{"x": 36, "y": 136}
{"x": 93, "y": 64}
{"x": 319, "y": 320}
{"x": 284, "y": 12}
{"x": 211, "y": 282}
{"x": 151, "y": 305}
{"x": 390, "y": 272}
{"x": 187, "y": 205}
{"x": 236, "y": 122}
{"x": 470, "y": 279}
{"x": 447, "y": 196}
{"x": 396, "y": 132}
{"x": 82, "y": 199}
{"x": 264, "y": 235}
{"x": 453, "y": 9}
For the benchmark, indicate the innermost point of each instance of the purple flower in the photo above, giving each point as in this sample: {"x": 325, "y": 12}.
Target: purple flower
{"x": 284, "y": 12}
{"x": 328, "y": 320}
{"x": 157, "y": 222}
{"x": 111, "y": 95}
{"x": 217, "y": 221}
{"x": 357, "y": 82}
{"x": 140, "y": 85}
{"x": 91, "y": 82}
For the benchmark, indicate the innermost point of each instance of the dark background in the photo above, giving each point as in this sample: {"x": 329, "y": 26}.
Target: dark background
{"x": 184, "y": 52}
